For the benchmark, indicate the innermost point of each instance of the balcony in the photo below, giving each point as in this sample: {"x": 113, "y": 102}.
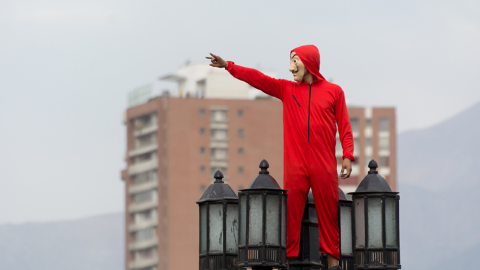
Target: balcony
{"x": 143, "y": 225}
{"x": 143, "y": 187}
{"x": 384, "y": 171}
{"x": 138, "y": 207}
{"x": 143, "y": 150}
{"x": 143, "y": 263}
{"x": 222, "y": 163}
{"x": 145, "y": 130}
{"x": 219, "y": 125}
{"x": 143, "y": 166}
{"x": 143, "y": 244}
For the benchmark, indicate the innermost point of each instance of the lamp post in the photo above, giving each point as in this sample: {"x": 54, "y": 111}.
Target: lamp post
{"x": 262, "y": 223}
{"x": 309, "y": 256}
{"x": 345, "y": 230}
{"x": 376, "y": 223}
{"x": 218, "y": 226}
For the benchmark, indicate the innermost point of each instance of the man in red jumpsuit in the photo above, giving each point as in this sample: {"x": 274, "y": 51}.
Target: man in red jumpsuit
{"x": 311, "y": 107}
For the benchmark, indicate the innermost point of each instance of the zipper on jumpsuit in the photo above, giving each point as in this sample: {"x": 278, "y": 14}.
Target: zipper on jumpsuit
{"x": 309, "y": 97}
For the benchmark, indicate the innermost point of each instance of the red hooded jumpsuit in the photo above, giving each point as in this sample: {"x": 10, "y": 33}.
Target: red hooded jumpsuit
{"x": 309, "y": 115}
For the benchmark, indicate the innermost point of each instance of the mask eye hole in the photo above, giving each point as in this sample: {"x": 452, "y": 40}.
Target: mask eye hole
{"x": 295, "y": 61}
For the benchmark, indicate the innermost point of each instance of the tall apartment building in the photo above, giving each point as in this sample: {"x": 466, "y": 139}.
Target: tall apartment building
{"x": 174, "y": 145}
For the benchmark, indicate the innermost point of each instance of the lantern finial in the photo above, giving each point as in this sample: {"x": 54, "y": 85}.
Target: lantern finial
{"x": 218, "y": 176}
{"x": 373, "y": 167}
{"x": 264, "y": 167}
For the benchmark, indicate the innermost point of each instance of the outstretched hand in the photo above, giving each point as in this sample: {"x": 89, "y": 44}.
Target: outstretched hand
{"x": 346, "y": 165}
{"x": 217, "y": 61}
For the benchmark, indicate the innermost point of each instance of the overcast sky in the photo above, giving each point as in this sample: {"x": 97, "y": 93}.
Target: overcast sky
{"x": 66, "y": 68}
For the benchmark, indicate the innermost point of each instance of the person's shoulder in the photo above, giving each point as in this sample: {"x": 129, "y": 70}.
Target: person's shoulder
{"x": 334, "y": 88}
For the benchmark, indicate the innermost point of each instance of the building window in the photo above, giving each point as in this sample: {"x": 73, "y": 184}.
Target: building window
{"x": 383, "y": 161}
{"x": 144, "y": 158}
{"x": 368, "y": 159}
{"x": 240, "y": 151}
{"x": 368, "y": 142}
{"x": 240, "y": 170}
{"x": 384, "y": 143}
{"x": 145, "y": 196}
{"x": 145, "y": 177}
{"x": 144, "y": 234}
{"x": 384, "y": 124}
{"x": 219, "y": 116}
{"x": 219, "y": 134}
{"x": 240, "y": 113}
{"x": 219, "y": 153}
{"x": 368, "y": 123}
{"x": 202, "y": 169}
{"x": 240, "y": 187}
{"x": 202, "y": 131}
{"x": 354, "y": 124}
{"x": 202, "y": 150}
{"x": 145, "y": 216}
{"x": 145, "y": 121}
{"x": 202, "y": 112}
{"x": 145, "y": 254}
{"x": 202, "y": 188}
{"x": 146, "y": 140}
{"x": 240, "y": 133}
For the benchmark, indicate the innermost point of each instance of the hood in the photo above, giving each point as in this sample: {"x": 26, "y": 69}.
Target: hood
{"x": 310, "y": 57}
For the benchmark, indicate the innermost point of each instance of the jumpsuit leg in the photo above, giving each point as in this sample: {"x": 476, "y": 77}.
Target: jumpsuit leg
{"x": 298, "y": 187}
{"x": 324, "y": 182}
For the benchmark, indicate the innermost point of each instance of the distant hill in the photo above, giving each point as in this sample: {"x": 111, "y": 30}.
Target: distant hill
{"x": 95, "y": 243}
{"x": 443, "y": 156}
{"x": 439, "y": 187}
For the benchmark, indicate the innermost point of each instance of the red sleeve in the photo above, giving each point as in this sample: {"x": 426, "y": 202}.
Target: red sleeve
{"x": 344, "y": 127}
{"x": 255, "y": 78}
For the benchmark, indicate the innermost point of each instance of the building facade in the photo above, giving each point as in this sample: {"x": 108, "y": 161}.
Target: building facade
{"x": 174, "y": 145}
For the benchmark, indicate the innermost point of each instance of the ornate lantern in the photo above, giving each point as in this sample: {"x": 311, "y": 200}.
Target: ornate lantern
{"x": 262, "y": 223}
{"x": 218, "y": 226}
{"x": 309, "y": 256}
{"x": 376, "y": 223}
{"x": 345, "y": 229}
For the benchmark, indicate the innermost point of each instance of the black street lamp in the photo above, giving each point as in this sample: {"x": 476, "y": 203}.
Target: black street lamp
{"x": 309, "y": 256}
{"x": 218, "y": 226}
{"x": 376, "y": 223}
{"x": 262, "y": 219}
{"x": 345, "y": 229}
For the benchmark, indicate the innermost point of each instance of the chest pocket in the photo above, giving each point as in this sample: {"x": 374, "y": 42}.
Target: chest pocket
{"x": 296, "y": 101}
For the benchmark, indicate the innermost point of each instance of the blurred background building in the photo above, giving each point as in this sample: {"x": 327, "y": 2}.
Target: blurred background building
{"x": 175, "y": 144}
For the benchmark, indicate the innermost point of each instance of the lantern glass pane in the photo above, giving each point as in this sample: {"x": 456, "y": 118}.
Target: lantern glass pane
{"x": 359, "y": 222}
{"x": 232, "y": 227}
{"x": 203, "y": 229}
{"x": 346, "y": 230}
{"x": 243, "y": 220}
{"x": 255, "y": 219}
{"x": 375, "y": 223}
{"x": 284, "y": 221}
{"x": 216, "y": 228}
{"x": 391, "y": 222}
{"x": 314, "y": 246}
{"x": 273, "y": 216}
